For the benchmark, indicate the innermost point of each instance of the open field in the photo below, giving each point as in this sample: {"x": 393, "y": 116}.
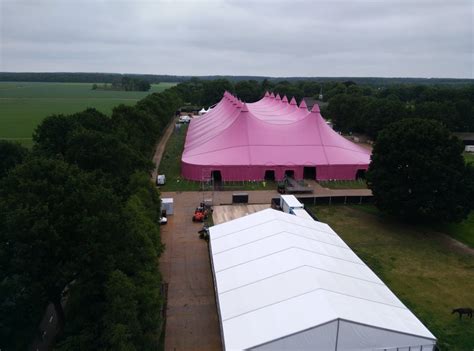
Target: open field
{"x": 420, "y": 267}
{"x": 24, "y": 105}
{"x": 464, "y": 231}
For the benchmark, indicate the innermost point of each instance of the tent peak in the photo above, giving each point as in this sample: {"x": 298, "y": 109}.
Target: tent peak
{"x": 285, "y": 99}
{"x": 315, "y": 108}
{"x": 303, "y": 104}
{"x": 272, "y": 95}
{"x": 267, "y": 94}
{"x": 277, "y": 97}
{"x": 293, "y": 101}
{"x": 244, "y": 107}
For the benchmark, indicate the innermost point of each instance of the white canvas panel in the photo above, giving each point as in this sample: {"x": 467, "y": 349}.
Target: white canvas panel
{"x": 354, "y": 337}
{"x": 292, "y": 258}
{"x": 304, "y": 280}
{"x": 225, "y": 240}
{"x": 319, "y": 338}
{"x": 277, "y": 243}
{"x": 275, "y": 321}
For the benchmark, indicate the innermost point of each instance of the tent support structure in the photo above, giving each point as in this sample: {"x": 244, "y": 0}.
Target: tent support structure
{"x": 337, "y": 334}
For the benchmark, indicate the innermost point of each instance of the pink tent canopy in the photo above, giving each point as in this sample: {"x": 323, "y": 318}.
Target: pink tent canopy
{"x": 269, "y": 137}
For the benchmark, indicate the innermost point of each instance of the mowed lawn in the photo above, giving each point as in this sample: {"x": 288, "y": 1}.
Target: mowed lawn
{"x": 24, "y": 105}
{"x": 469, "y": 157}
{"x": 422, "y": 268}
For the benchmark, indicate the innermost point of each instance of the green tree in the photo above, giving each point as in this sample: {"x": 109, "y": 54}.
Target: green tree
{"x": 56, "y": 224}
{"x": 11, "y": 154}
{"x": 418, "y": 172}
{"x": 248, "y": 90}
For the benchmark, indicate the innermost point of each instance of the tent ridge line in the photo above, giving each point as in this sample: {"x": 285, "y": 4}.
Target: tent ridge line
{"x": 295, "y": 268}
{"x": 287, "y": 232}
{"x": 283, "y": 219}
{"x": 292, "y": 248}
{"x": 309, "y": 292}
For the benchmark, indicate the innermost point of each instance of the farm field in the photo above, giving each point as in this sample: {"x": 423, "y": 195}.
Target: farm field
{"x": 419, "y": 266}
{"x": 23, "y": 105}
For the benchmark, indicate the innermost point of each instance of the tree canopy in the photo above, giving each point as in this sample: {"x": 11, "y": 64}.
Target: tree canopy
{"x": 79, "y": 217}
{"x": 418, "y": 172}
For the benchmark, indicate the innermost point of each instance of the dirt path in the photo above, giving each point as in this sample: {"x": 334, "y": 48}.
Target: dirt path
{"x": 160, "y": 148}
{"x": 191, "y": 314}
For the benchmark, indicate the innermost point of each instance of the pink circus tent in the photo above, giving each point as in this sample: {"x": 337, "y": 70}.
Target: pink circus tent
{"x": 273, "y": 136}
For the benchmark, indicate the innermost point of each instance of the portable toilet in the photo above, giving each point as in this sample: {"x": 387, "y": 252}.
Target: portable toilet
{"x": 167, "y": 205}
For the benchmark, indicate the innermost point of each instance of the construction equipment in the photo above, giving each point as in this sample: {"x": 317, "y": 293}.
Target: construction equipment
{"x": 202, "y": 212}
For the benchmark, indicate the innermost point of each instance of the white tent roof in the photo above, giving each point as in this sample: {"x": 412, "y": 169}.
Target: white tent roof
{"x": 285, "y": 279}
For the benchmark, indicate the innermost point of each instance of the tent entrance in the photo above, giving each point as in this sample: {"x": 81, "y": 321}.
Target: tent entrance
{"x": 269, "y": 175}
{"x": 309, "y": 172}
{"x": 360, "y": 174}
{"x": 289, "y": 173}
{"x": 216, "y": 176}
{"x": 217, "y": 179}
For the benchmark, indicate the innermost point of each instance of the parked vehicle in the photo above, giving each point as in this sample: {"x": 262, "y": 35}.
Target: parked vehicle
{"x": 202, "y": 212}
{"x": 184, "y": 119}
{"x": 160, "y": 179}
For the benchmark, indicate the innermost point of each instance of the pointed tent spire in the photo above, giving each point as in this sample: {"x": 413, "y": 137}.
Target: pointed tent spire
{"x": 272, "y": 95}
{"x": 293, "y": 101}
{"x": 244, "y": 107}
{"x": 303, "y": 104}
{"x": 278, "y": 98}
{"x": 267, "y": 94}
{"x": 285, "y": 99}
{"x": 315, "y": 108}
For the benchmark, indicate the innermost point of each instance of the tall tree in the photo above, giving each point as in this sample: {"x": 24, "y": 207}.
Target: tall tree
{"x": 55, "y": 223}
{"x": 418, "y": 172}
{"x": 11, "y": 154}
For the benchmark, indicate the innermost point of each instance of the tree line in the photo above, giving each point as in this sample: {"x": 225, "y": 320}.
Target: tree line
{"x": 125, "y": 83}
{"x": 79, "y": 227}
{"x": 353, "y": 108}
{"x": 85, "y": 77}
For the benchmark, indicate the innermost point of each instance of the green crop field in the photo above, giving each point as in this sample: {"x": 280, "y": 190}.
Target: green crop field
{"x": 23, "y": 105}
{"x": 428, "y": 273}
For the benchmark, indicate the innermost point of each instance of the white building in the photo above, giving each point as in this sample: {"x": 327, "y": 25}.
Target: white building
{"x": 288, "y": 283}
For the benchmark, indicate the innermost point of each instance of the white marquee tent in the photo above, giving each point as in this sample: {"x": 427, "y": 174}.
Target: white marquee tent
{"x": 289, "y": 283}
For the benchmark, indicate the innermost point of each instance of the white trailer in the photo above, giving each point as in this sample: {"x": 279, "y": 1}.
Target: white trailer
{"x": 301, "y": 212}
{"x": 167, "y": 204}
{"x": 289, "y": 202}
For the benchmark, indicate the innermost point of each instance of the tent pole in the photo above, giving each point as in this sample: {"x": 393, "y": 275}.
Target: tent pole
{"x": 337, "y": 334}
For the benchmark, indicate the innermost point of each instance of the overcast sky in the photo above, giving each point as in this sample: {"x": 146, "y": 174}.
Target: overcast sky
{"x": 402, "y": 38}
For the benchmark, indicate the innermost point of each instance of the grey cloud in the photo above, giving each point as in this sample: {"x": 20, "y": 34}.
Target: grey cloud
{"x": 280, "y": 38}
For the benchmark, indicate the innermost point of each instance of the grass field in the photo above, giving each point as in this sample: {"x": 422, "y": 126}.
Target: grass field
{"x": 344, "y": 184}
{"x": 469, "y": 157}
{"x": 420, "y": 267}
{"x": 24, "y": 105}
